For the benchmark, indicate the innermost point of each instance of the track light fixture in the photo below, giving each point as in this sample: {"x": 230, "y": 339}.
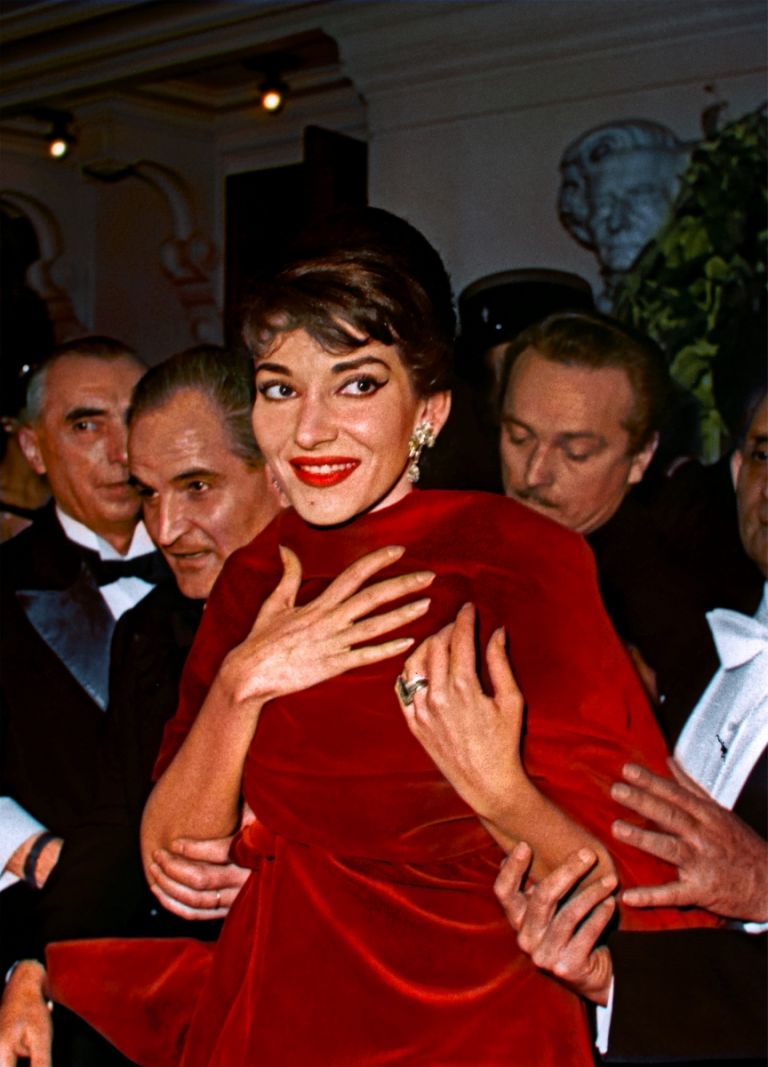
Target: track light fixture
{"x": 272, "y": 94}
{"x": 61, "y": 139}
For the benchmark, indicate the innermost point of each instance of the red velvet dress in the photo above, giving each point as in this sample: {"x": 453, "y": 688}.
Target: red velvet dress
{"x": 368, "y": 933}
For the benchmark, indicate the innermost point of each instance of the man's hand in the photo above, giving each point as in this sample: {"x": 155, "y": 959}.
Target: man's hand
{"x": 560, "y": 932}
{"x": 25, "y": 1021}
{"x": 722, "y": 863}
{"x": 46, "y": 861}
{"x": 195, "y": 879}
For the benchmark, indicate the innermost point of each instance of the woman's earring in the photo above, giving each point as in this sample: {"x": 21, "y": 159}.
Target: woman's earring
{"x": 422, "y": 437}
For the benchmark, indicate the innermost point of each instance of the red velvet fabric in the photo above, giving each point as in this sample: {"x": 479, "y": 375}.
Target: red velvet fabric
{"x": 368, "y": 932}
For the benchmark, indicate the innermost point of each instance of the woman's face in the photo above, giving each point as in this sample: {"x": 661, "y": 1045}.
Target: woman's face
{"x": 334, "y": 428}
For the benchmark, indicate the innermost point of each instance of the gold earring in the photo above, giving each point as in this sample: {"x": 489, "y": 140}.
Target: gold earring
{"x": 422, "y": 437}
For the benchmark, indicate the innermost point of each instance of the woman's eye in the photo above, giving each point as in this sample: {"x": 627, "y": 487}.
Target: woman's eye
{"x": 363, "y": 385}
{"x": 276, "y": 390}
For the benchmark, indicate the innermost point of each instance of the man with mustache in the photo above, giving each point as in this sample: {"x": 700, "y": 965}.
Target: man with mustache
{"x": 584, "y": 402}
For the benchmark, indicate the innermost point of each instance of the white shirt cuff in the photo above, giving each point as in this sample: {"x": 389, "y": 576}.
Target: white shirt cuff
{"x": 603, "y": 1023}
{"x": 16, "y": 826}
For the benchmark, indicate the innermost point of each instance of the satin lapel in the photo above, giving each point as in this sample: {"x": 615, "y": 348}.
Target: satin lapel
{"x": 77, "y": 626}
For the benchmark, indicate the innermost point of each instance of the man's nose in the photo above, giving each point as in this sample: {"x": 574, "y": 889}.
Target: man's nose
{"x": 539, "y": 467}
{"x": 316, "y": 423}
{"x": 117, "y": 444}
{"x": 168, "y": 522}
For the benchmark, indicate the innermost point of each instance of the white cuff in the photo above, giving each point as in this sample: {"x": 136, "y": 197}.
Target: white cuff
{"x": 16, "y": 826}
{"x": 603, "y": 1023}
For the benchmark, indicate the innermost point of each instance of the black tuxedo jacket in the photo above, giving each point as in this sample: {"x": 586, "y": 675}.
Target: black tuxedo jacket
{"x": 55, "y": 640}
{"x": 97, "y": 888}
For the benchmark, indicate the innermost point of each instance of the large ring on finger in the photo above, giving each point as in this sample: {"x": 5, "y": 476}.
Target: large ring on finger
{"x": 407, "y": 690}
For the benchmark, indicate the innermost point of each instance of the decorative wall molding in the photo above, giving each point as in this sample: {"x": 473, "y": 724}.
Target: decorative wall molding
{"x": 61, "y": 312}
{"x": 188, "y": 257}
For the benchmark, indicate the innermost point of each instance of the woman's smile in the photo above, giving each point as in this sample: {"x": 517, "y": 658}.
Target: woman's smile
{"x": 323, "y": 471}
{"x": 334, "y": 427}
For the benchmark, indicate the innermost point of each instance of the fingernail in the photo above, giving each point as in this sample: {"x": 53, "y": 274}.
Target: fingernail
{"x": 420, "y": 605}
{"x": 395, "y": 550}
{"x": 619, "y": 791}
{"x": 499, "y": 634}
{"x": 586, "y": 855}
{"x": 608, "y": 880}
{"x": 619, "y": 828}
{"x": 404, "y": 642}
{"x": 632, "y": 771}
{"x": 522, "y": 849}
{"x": 424, "y": 576}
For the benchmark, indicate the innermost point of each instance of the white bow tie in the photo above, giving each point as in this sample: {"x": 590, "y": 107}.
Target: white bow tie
{"x": 738, "y": 638}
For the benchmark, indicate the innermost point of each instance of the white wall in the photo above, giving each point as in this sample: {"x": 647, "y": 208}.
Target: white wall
{"x": 467, "y": 108}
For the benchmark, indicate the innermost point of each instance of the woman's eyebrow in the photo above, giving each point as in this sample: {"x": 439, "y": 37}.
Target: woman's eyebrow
{"x": 276, "y": 368}
{"x": 361, "y": 361}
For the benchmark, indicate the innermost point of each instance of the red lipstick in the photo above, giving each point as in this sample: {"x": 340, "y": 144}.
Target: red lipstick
{"x": 324, "y": 471}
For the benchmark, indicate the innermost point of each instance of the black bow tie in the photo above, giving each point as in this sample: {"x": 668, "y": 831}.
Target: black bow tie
{"x": 151, "y": 567}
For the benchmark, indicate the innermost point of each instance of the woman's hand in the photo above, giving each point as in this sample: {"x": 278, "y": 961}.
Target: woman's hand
{"x": 26, "y": 1029}
{"x": 474, "y": 739}
{"x": 291, "y": 648}
{"x": 722, "y": 864}
{"x": 559, "y": 929}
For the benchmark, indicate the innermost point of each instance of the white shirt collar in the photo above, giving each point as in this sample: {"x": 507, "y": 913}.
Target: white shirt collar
{"x": 739, "y": 638}
{"x": 82, "y": 535}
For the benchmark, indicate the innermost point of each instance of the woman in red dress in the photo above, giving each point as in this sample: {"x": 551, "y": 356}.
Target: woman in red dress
{"x": 368, "y": 932}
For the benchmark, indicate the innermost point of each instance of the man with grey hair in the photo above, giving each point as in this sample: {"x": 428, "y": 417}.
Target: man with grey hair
{"x": 65, "y": 582}
{"x": 618, "y": 181}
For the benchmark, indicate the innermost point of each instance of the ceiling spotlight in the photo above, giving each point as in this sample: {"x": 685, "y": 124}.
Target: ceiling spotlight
{"x": 272, "y": 94}
{"x": 61, "y": 139}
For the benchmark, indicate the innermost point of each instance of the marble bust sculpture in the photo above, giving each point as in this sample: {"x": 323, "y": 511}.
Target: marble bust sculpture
{"x": 618, "y": 181}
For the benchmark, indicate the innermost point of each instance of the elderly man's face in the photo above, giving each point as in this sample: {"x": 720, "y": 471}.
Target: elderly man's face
{"x": 750, "y": 466}
{"x": 80, "y": 443}
{"x": 630, "y": 193}
{"x": 201, "y": 501}
{"x": 564, "y": 449}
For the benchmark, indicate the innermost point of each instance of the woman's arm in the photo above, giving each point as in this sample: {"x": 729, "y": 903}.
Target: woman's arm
{"x": 288, "y": 649}
{"x": 475, "y": 741}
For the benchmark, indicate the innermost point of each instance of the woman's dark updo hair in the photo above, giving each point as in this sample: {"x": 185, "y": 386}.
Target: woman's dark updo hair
{"x": 363, "y": 272}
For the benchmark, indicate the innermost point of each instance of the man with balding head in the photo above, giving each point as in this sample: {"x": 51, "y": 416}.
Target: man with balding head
{"x": 65, "y": 582}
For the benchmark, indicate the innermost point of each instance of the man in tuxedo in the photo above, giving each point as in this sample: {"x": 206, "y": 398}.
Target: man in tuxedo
{"x": 692, "y": 994}
{"x": 65, "y": 582}
{"x": 205, "y": 492}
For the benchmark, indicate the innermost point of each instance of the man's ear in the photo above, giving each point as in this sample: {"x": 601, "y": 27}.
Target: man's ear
{"x": 737, "y": 460}
{"x": 437, "y": 407}
{"x": 641, "y": 460}
{"x": 29, "y": 444}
